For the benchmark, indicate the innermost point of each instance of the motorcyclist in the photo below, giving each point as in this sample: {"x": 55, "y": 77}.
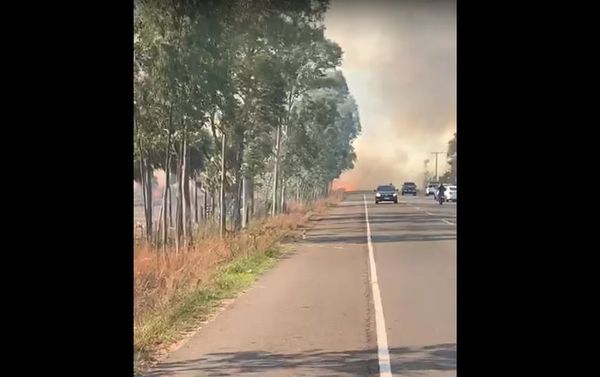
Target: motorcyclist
{"x": 440, "y": 191}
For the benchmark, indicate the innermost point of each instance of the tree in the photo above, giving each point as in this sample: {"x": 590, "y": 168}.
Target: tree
{"x": 236, "y": 97}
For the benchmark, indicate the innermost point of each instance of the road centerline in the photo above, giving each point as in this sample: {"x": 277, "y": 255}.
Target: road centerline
{"x": 383, "y": 353}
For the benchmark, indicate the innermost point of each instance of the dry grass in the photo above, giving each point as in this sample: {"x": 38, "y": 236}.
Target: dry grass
{"x": 172, "y": 294}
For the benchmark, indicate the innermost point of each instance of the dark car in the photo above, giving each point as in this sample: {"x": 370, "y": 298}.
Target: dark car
{"x": 409, "y": 188}
{"x": 386, "y": 193}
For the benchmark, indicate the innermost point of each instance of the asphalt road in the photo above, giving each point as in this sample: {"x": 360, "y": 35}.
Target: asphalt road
{"x": 327, "y": 310}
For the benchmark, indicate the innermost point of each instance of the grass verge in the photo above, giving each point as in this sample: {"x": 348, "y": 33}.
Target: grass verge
{"x": 192, "y": 307}
{"x": 173, "y": 297}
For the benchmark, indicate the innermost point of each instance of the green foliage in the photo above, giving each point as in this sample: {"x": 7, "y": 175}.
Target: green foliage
{"x": 244, "y": 68}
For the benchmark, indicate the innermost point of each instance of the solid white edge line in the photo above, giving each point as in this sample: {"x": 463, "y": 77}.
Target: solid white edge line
{"x": 383, "y": 353}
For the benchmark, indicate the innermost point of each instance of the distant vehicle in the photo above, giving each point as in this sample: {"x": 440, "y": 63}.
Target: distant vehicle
{"x": 450, "y": 193}
{"x": 386, "y": 193}
{"x": 431, "y": 188}
{"x": 435, "y": 191}
{"x": 409, "y": 188}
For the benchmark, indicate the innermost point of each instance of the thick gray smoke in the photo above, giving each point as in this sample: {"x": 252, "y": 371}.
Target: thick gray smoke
{"x": 400, "y": 64}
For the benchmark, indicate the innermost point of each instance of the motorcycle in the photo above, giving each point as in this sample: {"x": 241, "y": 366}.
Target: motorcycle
{"x": 441, "y": 199}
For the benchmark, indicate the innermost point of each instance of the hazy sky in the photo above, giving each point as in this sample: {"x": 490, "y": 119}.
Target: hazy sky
{"x": 400, "y": 64}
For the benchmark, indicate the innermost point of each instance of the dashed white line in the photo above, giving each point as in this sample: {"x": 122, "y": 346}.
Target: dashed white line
{"x": 383, "y": 353}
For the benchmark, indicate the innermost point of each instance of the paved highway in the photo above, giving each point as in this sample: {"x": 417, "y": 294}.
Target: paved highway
{"x": 371, "y": 291}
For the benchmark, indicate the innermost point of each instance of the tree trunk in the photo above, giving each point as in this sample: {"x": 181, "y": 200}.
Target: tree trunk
{"x": 282, "y": 207}
{"x": 142, "y": 183}
{"x": 212, "y": 204}
{"x": 158, "y": 226}
{"x": 244, "y": 202}
{"x": 170, "y": 206}
{"x": 149, "y": 202}
{"x": 142, "y": 180}
{"x": 251, "y": 198}
{"x": 196, "y": 211}
{"x": 179, "y": 198}
{"x": 276, "y": 171}
{"x": 204, "y": 203}
{"x": 237, "y": 218}
{"x": 166, "y": 192}
{"x": 222, "y": 196}
{"x": 187, "y": 212}
{"x": 239, "y": 191}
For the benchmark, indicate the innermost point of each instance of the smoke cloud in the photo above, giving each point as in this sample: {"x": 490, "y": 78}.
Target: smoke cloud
{"x": 400, "y": 64}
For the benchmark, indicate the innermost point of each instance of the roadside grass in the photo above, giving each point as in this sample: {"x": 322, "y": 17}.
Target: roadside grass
{"x": 174, "y": 295}
{"x": 192, "y": 306}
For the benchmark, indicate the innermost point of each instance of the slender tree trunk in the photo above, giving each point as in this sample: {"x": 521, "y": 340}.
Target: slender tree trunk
{"x": 222, "y": 196}
{"x": 245, "y": 206}
{"x": 237, "y": 218}
{"x": 244, "y": 202}
{"x": 187, "y": 212}
{"x": 149, "y": 201}
{"x": 204, "y": 203}
{"x": 143, "y": 178}
{"x": 179, "y": 198}
{"x": 237, "y": 213}
{"x": 170, "y": 206}
{"x": 166, "y": 192}
{"x": 283, "y": 184}
{"x": 159, "y": 226}
{"x": 212, "y": 204}
{"x": 142, "y": 183}
{"x": 196, "y": 209}
{"x": 276, "y": 171}
{"x": 251, "y": 196}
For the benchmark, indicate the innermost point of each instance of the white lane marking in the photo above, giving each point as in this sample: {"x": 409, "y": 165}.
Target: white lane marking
{"x": 447, "y": 222}
{"x": 429, "y": 213}
{"x": 383, "y": 354}
{"x": 418, "y": 208}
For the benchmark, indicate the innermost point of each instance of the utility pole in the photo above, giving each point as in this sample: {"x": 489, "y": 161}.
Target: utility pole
{"x": 436, "y": 164}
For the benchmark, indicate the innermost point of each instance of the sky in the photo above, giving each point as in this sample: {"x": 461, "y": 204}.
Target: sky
{"x": 400, "y": 64}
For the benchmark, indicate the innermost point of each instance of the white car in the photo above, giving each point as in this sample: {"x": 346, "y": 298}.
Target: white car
{"x": 431, "y": 188}
{"x": 435, "y": 190}
{"x": 450, "y": 193}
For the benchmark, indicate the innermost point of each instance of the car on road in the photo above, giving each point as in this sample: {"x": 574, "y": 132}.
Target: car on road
{"x": 431, "y": 188}
{"x": 386, "y": 193}
{"x": 409, "y": 188}
{"x": 450, "y": 193}
{"x": 435, "y": 190}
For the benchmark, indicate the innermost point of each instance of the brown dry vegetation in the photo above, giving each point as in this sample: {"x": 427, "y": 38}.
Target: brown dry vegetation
{"x": 174, "y": 293}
